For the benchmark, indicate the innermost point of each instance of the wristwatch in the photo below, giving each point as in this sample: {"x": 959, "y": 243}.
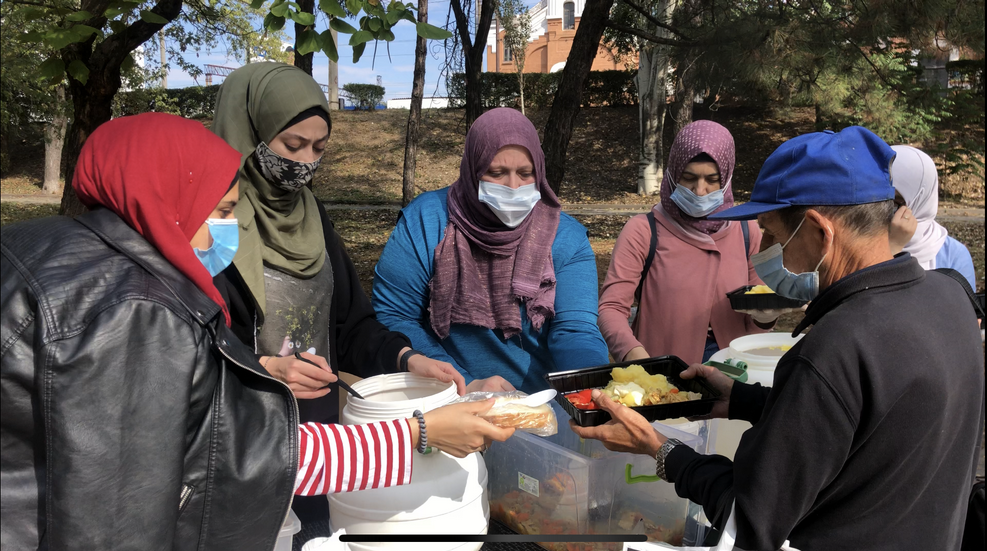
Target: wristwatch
{"x": 660, "y": 457}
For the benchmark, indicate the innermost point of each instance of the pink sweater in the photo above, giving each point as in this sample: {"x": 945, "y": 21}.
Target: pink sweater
{"x": 685, "y": 290}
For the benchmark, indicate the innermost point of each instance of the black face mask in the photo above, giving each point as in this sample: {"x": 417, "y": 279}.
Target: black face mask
{"x": 285, "y": 173}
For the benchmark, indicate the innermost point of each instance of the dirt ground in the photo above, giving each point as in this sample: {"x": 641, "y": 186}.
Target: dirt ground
{"x": 365, "y": 160}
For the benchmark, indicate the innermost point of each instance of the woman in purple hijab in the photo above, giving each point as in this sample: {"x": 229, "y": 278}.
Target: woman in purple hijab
{"x": 683, "y": 308}
{"x": 489, "y": 274}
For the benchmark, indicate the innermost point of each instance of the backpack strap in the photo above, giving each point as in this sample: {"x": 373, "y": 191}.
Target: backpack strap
{"x": 746, "y": 229}
{"x": 651, "y": 254}
{"x": 958, "y": 277}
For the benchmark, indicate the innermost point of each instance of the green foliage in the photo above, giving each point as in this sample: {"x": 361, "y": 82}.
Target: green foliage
{"x": 854, "y": 61}
{"x": 609, "y": 88}
{"x": 194, "y": 102}
{"x": 375, "y": 24}
{"x": 59, "y": 25}
{"x": 27, "y": 95}
{"x": 364, "y": 96}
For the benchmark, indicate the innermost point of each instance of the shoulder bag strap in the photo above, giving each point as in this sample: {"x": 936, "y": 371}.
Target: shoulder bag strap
{"x": 651, "y": 254}
{"x": 958, "y": 277}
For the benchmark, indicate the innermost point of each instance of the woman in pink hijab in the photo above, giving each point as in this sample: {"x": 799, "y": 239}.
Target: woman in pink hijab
{"x": 489, "y": 274}
{"x": 683, "y": 308}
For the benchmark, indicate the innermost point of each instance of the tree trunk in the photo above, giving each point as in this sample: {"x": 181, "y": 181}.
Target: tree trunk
{"x": 54, "y": 141}
{"x": 520, "y": 79}
{"x": 415, "y": 114}
{"x": 474, "y": 52}
{"x": 565, "y": 106}
{"x": 93, "y": 101}
{"x": 651, "y": 90}
{"x": 93, "y": 105}
{"x": 304, "y": 62}
{"x": 685, "y": 93}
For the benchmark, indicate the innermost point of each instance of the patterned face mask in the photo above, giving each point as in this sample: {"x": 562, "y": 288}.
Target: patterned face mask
{"x": 287, "y": 174}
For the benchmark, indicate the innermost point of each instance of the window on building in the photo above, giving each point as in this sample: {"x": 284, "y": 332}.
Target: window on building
{"x": 508, "y": 54}
{"x": 568, "y": 16}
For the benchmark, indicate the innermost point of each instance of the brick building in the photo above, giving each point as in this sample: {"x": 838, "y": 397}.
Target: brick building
{"x": 554, "y": 24}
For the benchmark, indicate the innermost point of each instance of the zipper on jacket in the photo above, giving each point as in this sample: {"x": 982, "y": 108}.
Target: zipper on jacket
{"x": 185, "y": 496}
{"x": 293, "y": 404}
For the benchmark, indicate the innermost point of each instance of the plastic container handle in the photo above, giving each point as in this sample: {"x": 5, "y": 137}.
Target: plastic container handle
{"x": 639, "y": 478}
{"x": 735, "y": 369}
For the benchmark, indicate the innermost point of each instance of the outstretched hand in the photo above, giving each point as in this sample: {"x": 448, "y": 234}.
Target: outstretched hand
{"x": 495, "y": 383}
{"x": 435, "y": 369}
{"x": 719, "y": 381}
{"x": 628, "y": 431}
{"x": 457, "y": 430}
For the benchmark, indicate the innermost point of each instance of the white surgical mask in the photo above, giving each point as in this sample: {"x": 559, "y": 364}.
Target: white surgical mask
{"x": 694, "y": 205}
{"x": 511, "y": 206}
{"x": 770, "y": 267}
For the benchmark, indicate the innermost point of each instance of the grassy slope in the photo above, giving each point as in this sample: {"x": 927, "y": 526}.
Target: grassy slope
{"x": 365, "y": 159}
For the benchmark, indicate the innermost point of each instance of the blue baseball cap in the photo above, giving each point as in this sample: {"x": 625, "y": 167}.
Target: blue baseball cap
{"x": 849, "y": 167}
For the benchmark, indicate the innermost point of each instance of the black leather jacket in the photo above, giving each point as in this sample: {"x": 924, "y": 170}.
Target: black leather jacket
{"x": 131, "y": 417}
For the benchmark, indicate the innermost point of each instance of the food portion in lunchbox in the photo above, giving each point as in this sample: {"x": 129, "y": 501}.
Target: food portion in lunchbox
{"x": 759, "y": 290}
{"x": 633, "y": 386}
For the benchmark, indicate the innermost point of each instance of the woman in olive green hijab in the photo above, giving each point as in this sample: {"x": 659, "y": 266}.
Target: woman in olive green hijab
{"x": 287, "y": 297}
{"x": 292, "y": 289}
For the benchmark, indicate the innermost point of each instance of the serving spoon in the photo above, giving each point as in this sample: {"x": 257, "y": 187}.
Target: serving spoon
{"x": 538, "y": 398}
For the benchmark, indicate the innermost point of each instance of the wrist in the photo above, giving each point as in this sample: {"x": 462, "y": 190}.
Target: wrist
{"x": 656, "y": 443}
{"x": 422, "y": 445}
{"x": 406, "y": 355}
{"x": 413, "y": 430}
{"x": 661, "y": 455}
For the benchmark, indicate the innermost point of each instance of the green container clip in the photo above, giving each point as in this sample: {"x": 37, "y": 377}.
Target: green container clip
{"x": 735, "y": 369}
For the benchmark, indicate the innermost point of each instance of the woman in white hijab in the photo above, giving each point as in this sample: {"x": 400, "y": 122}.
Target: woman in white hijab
{"x": 914, "y": 228}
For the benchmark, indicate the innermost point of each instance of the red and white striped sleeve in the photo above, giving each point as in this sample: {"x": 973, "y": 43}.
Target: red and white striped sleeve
{"x": 345, "y": 458}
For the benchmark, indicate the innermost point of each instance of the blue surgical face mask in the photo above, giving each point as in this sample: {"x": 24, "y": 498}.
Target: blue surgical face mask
{"x": 511, "y": 206}
{"x": 225, "y": 240}
{"x": 770, "y": 267}
{"x": 694, "y": 205}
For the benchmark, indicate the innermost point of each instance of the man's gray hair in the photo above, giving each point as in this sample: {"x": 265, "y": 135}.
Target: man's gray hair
{"x": 866, "y": 220}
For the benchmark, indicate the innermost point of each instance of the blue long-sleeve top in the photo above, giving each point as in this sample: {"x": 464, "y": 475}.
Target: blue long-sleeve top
{"x": 569, "y": 340}
{"x": 955, "y": 255}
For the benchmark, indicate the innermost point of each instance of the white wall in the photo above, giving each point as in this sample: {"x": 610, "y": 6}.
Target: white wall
{"x": 427, "y": 103}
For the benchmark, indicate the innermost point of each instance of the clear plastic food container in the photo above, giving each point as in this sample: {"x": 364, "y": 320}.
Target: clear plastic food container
{"x": 565, "y": 485}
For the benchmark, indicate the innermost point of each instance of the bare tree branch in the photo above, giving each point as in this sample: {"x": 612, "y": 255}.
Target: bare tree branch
{"x": 654, "y": 20}
{"x": 119, "y": 45}
{"x": 648, "y": 36}
{"x": 464, "y": 31}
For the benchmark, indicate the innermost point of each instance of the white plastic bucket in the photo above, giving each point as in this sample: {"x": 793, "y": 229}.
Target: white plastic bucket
{"x": 290, "y": 527}
{"x": 446, "y": 495}
{"x": 761, "y": 352}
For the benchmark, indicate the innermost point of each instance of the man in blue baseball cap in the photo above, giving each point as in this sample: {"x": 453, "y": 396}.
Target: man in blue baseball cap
{"x": 869, "y": 437}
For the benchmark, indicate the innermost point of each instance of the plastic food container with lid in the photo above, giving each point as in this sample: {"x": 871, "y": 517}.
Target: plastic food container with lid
{"x": 563, "y": 484}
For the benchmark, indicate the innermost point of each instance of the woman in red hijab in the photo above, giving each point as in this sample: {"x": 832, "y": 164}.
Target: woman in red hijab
{"x": 131, "y": 416}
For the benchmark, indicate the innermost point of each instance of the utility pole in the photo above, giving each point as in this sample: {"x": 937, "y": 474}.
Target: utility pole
{"x": 164, "y": 59}
{"x": 333, "y": 77}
